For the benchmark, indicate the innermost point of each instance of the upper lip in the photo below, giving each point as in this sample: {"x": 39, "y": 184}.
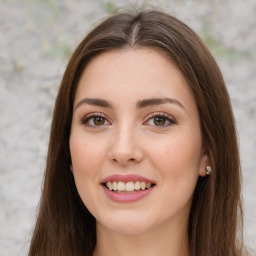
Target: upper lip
{"x": 126, "y": 178}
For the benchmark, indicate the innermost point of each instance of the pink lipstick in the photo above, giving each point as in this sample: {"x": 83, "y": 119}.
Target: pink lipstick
{"x": 127, "y": 188}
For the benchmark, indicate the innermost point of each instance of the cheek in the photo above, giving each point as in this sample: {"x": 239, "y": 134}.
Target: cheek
{"x": 87, "y": 162}
{"x": 85, "y": 153}
{"x": 178, "y": 157}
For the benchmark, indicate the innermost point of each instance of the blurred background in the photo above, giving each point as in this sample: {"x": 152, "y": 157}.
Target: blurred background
{"x": 36, "y": 40}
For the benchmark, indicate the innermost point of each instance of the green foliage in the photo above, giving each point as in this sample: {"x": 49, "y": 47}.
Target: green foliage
{"x": 215, "y": 45}
{"x": 109, "y": 7}
{"x": 58, "y": 49}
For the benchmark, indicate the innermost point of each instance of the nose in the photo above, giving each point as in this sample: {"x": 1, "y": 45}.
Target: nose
{"x": 125, "y": 147}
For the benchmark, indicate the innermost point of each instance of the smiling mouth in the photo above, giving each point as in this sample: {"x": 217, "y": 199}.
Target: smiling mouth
{"x": 127, "y": 187}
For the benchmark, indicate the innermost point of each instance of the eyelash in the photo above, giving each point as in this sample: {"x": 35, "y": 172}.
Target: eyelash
{"x": 163, "y": 115}
{"x": 166, "y": 117}
{"x": 92, "y": 117}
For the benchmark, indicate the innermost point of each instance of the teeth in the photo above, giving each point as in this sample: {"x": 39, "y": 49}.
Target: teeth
{"x": 109, "y": 185}
{"x": 130, "y": 186}
{"x": 137, "y": 185}
{"x": 143, "y": 185}
{"x": 114, "y": 186}
{"x": 120, "y": 186}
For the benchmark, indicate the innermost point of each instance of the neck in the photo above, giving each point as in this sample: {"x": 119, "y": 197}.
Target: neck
{"x": 165, "y": 241}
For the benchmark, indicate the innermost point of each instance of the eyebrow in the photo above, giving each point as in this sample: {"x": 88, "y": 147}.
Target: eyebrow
{"x": 94, "y": 102}
{"x": 140, "y": 104}
{"x": 157, "y": 101}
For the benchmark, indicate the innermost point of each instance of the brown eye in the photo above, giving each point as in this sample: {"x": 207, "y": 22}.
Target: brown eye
{"x": 98, "y": 120}
{"x": 94, "y": 120}
{"x": 159, "y": 121}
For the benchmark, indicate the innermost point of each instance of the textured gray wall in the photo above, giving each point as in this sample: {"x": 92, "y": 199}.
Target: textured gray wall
{"x": 36, "y": 39}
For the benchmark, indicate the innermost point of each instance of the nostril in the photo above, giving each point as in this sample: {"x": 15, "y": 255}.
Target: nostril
{"x": 128, "y": 160}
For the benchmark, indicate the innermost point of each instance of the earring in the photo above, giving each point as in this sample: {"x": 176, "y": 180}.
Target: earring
{"x": 208, "y": 169}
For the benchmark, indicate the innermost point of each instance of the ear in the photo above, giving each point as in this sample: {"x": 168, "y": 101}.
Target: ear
{"x": 205, "y": 160}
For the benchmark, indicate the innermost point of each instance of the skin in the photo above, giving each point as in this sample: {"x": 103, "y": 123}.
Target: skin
{"x": 128, "y": 140}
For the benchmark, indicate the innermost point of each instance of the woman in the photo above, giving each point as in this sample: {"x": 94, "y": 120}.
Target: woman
{"x": 143, "y": 156}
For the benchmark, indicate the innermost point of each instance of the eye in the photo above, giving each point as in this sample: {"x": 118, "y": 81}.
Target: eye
{"x": 160, "y": 120}
{"x": 95, "y": 119}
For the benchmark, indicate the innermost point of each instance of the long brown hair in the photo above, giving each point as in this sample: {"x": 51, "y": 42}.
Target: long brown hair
{"x": 64, "y": 226}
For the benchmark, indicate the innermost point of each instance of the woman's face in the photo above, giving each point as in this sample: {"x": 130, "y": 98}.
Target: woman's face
{"x": 136, "y": 142}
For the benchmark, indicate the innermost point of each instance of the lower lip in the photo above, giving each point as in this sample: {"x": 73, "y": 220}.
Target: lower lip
{"x": 127, "y": 197}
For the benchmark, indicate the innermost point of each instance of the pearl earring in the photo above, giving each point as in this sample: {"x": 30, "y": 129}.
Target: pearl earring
{"x": 208, "y": 169}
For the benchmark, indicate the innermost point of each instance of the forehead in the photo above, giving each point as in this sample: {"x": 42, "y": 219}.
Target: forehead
{"x": 132, "y": 73}
{"x": 133, "y": 60}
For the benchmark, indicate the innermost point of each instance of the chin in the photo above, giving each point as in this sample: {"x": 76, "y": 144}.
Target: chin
{"x": 126, "y": 225}
{"x": 128, "y": 229}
